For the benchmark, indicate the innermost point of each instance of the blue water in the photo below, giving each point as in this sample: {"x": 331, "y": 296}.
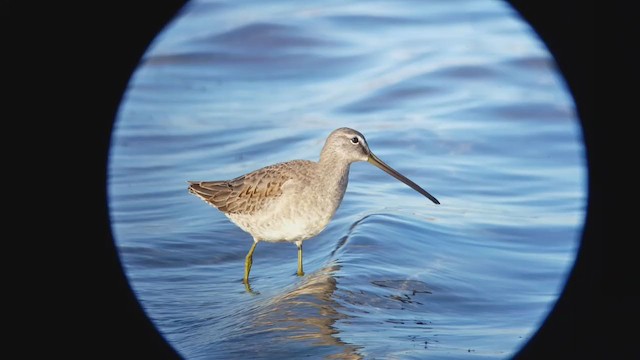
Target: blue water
{"x": 459, "y": 96}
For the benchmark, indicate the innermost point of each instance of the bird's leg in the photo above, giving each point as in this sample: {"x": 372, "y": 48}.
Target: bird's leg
{"x": 248, "y": 262}
{"x": 299, "y": 245}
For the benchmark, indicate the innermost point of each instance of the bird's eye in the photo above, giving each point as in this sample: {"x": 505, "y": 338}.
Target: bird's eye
{"x": 354, "y": 140}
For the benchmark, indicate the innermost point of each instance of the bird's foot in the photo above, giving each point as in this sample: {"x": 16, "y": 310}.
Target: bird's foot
{"x": 247, "y": 287}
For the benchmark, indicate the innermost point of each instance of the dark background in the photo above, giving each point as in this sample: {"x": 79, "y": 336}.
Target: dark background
{"x": 76, "y": 60}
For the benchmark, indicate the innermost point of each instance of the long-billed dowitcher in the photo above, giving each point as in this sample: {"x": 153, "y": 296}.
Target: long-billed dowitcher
{"x": 295, "y": 200}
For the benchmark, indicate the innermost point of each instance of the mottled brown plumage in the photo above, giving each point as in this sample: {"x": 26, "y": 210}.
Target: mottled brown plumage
{"x": 248, "y": 193}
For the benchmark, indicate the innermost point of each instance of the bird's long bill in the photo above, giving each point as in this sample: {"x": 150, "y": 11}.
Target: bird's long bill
{"x": 389, "y": 170}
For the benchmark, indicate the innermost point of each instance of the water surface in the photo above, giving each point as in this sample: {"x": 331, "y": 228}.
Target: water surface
{"x": 459, "y": 96}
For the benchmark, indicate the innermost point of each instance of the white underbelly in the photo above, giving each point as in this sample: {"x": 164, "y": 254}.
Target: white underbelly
{"x": 267, "y": 227}
{"x": 282, "y": 221}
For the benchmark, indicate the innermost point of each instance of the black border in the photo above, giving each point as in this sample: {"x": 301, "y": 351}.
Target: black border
{"x": 99, "y": 45}
{"x": 567, "y": 29}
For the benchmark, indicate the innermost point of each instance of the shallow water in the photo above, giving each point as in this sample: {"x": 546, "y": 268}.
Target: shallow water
{"x": 461, "y": 97}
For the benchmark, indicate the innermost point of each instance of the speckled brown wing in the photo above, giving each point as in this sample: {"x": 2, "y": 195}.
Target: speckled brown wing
{"x": 248, "y": 193}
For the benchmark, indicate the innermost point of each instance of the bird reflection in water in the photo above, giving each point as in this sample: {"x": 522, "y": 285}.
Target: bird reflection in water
{"x": 307, "y": 315}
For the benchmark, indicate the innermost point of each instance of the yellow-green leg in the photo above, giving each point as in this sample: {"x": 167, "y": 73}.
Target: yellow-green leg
{"x": 299, "y": 245}
{"x": 248, "y": 261}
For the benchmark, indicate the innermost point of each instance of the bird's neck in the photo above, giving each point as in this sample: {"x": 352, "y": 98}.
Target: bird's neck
{"x": 330, "y": 161}
{"x": 334, "y": 175}
{"x": 334, "y": 169}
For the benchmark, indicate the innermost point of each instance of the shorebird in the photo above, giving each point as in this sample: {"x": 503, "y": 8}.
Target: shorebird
{"x": 293, "y": 201}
